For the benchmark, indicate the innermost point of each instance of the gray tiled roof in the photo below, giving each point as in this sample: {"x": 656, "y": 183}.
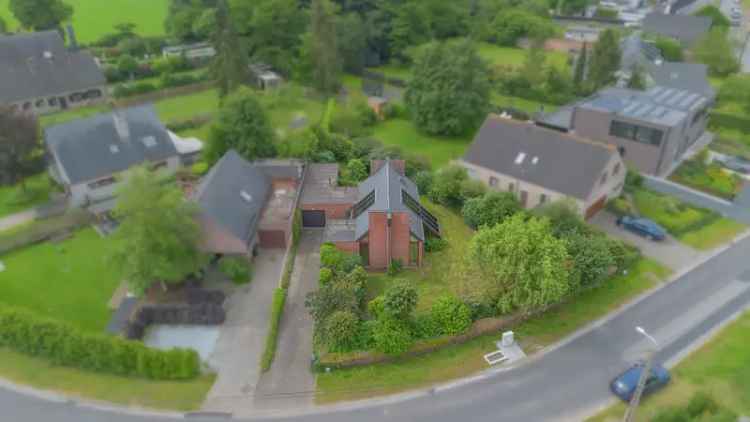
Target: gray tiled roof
{"x": 221, "y": 198}
{"x": 686, "y": 28}
{"x": 691, "y": 77}
{"x": 657, "y": 105}
{"x": 26, "y": 73}
{"x": 551, "y": 159}
{"x": 91, "y": 148}
{"x": 387, "y": 183}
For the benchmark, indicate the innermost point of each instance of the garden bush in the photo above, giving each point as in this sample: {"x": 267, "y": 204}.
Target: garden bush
{"x": 129, "y": 90}
{"x": 621, "y": 207}
{"x": 391, "y": 336}
{"x": 338, "y": 261}
{"x": 325, "y": 277}
{"x": 340, "y": 331}
{"x": 66, "y": 345}
{"x": 238, "y": 269}
{"x": 395, "y": 267}
{"x": 451, "y": 315}
{"x": 194, "y": 122}
{"x": 423, "y": 180}
{"x": 199, "y": 169}
{"x": 447, "y": 186}
{"x": 435, "y": 244}
{"x": 277, "y": 309}
{"x": 490, "y": 209}
{"x": 400, "y": 299}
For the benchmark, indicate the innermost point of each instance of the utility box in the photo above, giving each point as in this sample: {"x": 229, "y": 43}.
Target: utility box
{"x": 508, "y": 339}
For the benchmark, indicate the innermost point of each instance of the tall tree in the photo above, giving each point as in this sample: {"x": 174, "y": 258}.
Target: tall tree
{"x": 525, "y": 264}
{"x": 3, "y": 26}
{"x": 579, "y": 73}
{"x": 411, "y": 27}
{"x": 182, "y": 17}
{"x": 157, "y": 240}
{"x": 19, "y": 141}
{"x": 716, "y": 51}
{"x": 40, "y": 15}
{"x": 230, "y": 65}
{"x": 323, "y": 49}
{"x": 534, "y": 64}
{"x": 449, "y": 93}
{"x": 242, "y": 125}
{"x": 605, "y": 59}
{"x": 352, "y": 42}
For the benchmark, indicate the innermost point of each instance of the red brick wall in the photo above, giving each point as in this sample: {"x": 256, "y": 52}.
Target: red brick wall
{"x": 333, "y": 211}
{"x": 400, "y": 237}
{"x": 378, "y": 237}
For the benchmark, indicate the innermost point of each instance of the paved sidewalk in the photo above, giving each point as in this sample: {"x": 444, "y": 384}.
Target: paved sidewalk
{"x": 289, "y": 384}
{"x": 669, "y": 252}
{"x": 243, "y": 336}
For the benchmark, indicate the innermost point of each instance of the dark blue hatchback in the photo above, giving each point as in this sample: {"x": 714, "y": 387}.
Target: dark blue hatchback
{"x": 643, "y": 227}
{"x": 624, "y": 385}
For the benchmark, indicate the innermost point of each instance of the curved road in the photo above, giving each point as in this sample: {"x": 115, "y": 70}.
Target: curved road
{"x": 565, "y": 384}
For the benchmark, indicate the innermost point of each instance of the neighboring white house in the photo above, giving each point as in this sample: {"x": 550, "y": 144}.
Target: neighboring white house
{"x": 542, "y": 165}
{"x": 86, "y": 156}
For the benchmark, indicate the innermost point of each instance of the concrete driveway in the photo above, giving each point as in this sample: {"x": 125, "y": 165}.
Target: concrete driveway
{"x": 243, "y": 335}
{"x": 669, "y": 252}
{"x": 289, "y": 383}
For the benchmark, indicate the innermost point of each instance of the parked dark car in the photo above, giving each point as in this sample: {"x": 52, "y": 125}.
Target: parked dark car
{"x": 643, "y": 227}
{"x": 740, "y": 165}
{"x": 624, "y": 385}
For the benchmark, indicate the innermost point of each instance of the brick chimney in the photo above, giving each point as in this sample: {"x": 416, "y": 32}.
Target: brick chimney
{"x": 398, "y": 165}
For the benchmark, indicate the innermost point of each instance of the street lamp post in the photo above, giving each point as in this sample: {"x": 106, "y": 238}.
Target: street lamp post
{"x": 636, "y": 399}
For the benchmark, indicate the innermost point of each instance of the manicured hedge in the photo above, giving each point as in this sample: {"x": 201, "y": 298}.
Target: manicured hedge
{"x": 277, "y": 309}
{"x": 66, "y": 345}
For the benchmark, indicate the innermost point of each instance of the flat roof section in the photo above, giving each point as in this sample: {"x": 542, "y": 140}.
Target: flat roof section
{"x": 321, "y": 186}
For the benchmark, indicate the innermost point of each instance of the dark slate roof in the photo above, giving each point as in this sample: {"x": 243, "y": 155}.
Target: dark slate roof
{"x": 691, "y": 77}
{"x": 551, "y": 159}
{"x": 233, "y": 194}
{"x": 686, "y": 28}
{"x": 387, "y": 183}
{"x": 92, "y": 148}
{"x": 37, "y": 64}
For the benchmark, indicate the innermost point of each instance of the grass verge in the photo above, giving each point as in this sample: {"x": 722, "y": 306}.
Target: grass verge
{"x": 39, "y": 373}
{"x": 720, "y": 368}
{"x": 466, "y": 359}
{"x": 15, "y": 199}
{"x": 404, "y": 134}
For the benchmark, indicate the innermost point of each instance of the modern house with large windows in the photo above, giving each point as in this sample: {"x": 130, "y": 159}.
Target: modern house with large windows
{"x": 39, "y": 74}
{"x": 652, "y": 129}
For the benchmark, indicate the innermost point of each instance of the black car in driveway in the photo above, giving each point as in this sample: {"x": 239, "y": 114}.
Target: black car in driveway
{"x": 643, "y": 227}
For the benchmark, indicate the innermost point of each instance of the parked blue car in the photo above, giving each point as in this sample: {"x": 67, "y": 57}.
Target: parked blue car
{"x": 643, "y": 227}
{"x": 624, "y": 385}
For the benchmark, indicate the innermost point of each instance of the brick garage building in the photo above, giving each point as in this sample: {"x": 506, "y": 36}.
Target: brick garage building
{"x": 322, "y": 198}
{"x": 383, "y": 221}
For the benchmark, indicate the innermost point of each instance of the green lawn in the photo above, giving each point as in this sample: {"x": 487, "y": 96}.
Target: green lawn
{"x": 494, "y": 55}
{"x": 94, "y": 18}
{"x": 70, "y": 281}
{"x": 466, "y": 359}
{"x": 433, "y": 279}
{"x": 14, "y": 199}
{"x": 697, "y": 227}
{"x": 403, "y": 133}
{"x": 721, "y": 368}
{"x": 167, "y": 395}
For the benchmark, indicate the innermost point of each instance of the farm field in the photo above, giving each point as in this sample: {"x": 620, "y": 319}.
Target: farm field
{"x": 94, "y": 18}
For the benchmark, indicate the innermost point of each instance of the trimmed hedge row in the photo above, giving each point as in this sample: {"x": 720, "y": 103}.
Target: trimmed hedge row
{"x": 66, "y": 345}
{"x": 277, "y": 309}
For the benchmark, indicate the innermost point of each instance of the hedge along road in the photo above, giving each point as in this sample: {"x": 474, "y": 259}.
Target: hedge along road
{"x": 565, "y": 384}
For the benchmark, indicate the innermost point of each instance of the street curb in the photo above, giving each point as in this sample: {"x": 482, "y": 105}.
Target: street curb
{"x": 409, "y": 395}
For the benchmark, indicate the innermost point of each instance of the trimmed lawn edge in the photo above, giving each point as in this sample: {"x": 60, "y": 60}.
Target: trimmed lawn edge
{"x": 40, "y": 374}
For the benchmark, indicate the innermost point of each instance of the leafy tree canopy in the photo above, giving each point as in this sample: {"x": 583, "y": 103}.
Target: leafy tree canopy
{"x": 19, "y": 146}
{"x": 39, "y": 15}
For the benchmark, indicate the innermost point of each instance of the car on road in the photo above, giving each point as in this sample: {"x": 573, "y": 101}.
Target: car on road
{"x": 625, "y": 384}
{"x": 642, "y": 226}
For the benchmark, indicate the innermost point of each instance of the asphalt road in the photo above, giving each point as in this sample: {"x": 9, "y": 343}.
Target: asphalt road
{"x": 562, "y": 385}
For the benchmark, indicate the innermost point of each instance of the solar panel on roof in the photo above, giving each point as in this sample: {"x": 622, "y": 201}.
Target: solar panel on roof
{"x": 690, "y": 98}
{"x": 646, "y": 109}
{"x": 630, "y": 107}
{"x": 675, "y": 99}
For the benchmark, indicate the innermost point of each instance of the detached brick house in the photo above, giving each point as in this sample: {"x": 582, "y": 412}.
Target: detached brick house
{"x": 542, "y": 165}
{"x": 381, "y": 220}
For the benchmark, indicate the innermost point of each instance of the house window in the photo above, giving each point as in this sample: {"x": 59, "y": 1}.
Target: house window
{"x": 511, "y": 187}
{"x": 603, "y": 179}
{"x": 52, "y": 101}
{"x": 616, "y": 169}
{"x": 637, "y": 133}
{"x": 102, "y": 182}
{"x": 542, "y": 199}
{"x": 27, "y": 105}
{"x": 524, "y": 197}
{"x": 493, "y": 181}
{"x": 39, "y": 103}
{"x": 414, "y": 253}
